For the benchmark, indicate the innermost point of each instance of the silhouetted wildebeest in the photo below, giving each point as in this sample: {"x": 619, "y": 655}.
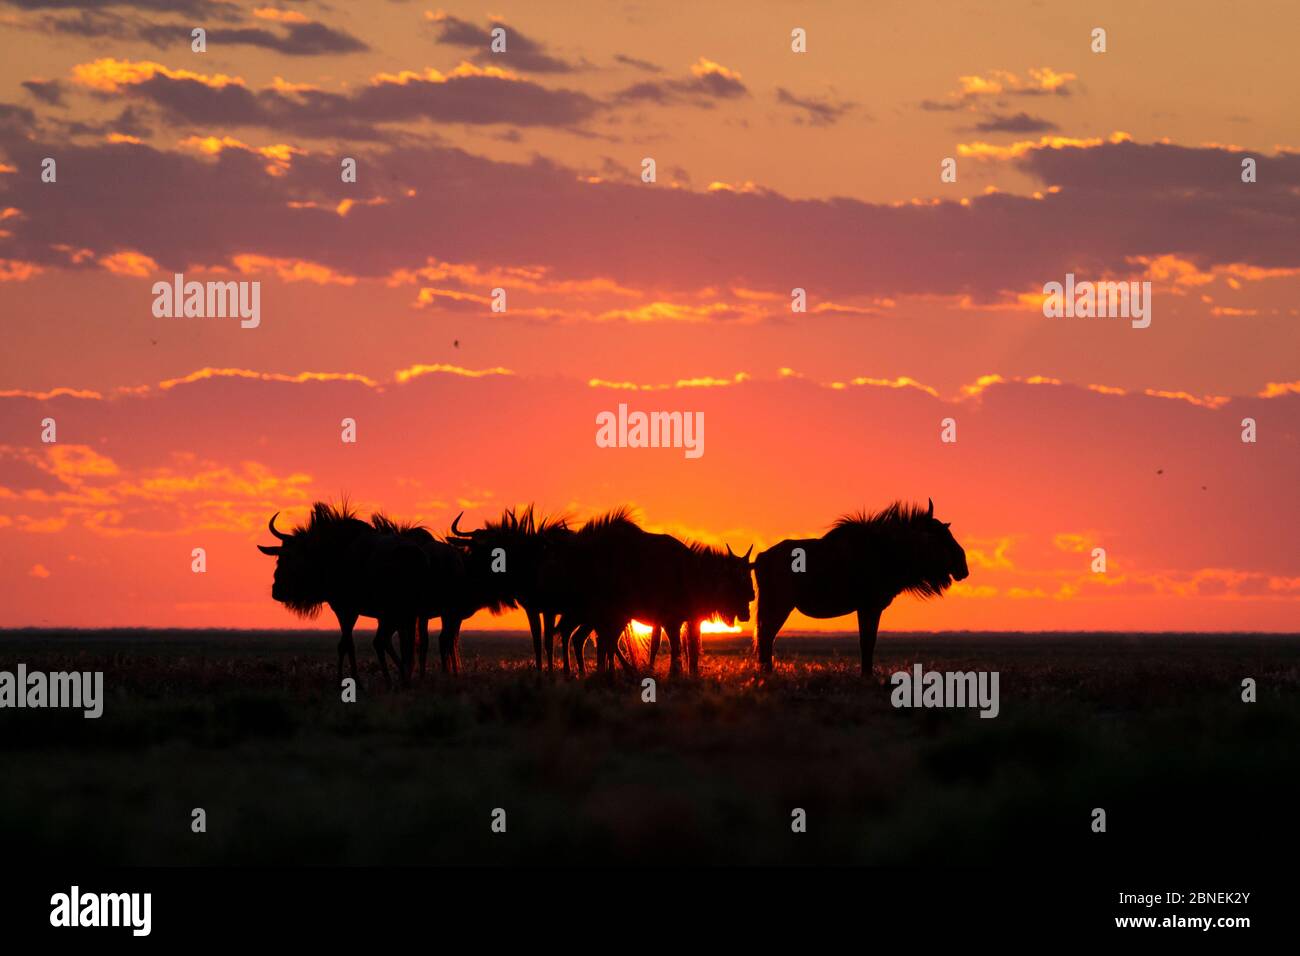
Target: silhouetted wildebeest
{"x": 717, "y": 584}
{"x": 616, "y": 572}
{"x": 860, "y": 565}
{"x": 447, "y": 592}
{"x": 336, "y": 559}
{"x": 506, "y": 558}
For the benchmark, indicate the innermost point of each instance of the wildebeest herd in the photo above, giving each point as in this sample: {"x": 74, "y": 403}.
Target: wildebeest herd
{"x": 597, "y": 578}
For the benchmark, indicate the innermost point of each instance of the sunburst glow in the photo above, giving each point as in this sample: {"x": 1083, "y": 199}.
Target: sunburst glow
{"x": 712, "y": 626}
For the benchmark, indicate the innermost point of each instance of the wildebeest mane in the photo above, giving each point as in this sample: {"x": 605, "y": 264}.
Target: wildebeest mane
{"x": 897, "y": 522}
{"x": 707, "y": 551}
{"x": 325, "y": 515}
{"x": 897, "y": 516}
{"x": 381, "y": 522}
{"x": 622, "y": 515}
{"x": 549, "y": 523}
{"x": 527, "y": 522}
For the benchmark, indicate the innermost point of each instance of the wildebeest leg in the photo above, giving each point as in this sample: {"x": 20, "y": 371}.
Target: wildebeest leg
{"x": 563, "y": 628}
{"x": 868, "y": 625}
{"x": 535, "y": 625}
{"x": 447, "y": 644}
{"x": 656, "y": 632}
{"x": 347, "y": 621}
{"x": 406, "y": 634}
{"x": 566, "y": 629}
{"x": 675, "y": 649}
{"x": 382, "y": 646}
{"x": 579, "y": 639}
{"x": 604, "y": 655}
{"x": 352, "y": 656}
{"x": 444, "y": 643}
{"x": 606, "y": 644}
{"x": 424, "y": 642}
{"x": 615, "y": 653}
{"x": 548, "y": 628}
{"x": 693, "y": 647}
{"x": 770, "y": 621}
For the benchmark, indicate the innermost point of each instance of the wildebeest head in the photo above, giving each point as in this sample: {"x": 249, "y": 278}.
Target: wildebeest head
{"x": 299, "y": 581}
{"x": 947, "y": 558}
{"x": 730, "y": 582}
{"x": 305, "y": 556}
{"x": 505, "y": 557}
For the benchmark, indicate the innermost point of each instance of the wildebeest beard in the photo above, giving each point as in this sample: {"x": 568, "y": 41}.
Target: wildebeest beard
{"x": 304, "y": 607}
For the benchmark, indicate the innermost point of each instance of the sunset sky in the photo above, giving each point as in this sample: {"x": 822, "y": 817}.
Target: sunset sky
{"x": 522, "y": 171}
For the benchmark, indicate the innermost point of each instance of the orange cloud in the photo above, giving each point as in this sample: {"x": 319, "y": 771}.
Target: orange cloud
{"x": 993, "y": 555}
{"x": 681, "y": 312}
{"x": 111, "y": 501}
{"x": 1076, "y": 543}
{"x": 280, "y": 154}
{"x": 108, "y": 75}
{"x": 530, "y": 278}
{"x": 429, "y": 296}
{"x": 902, "y": 381}
{"x": 14, "y": 270}
{"x": 975, "y": 389}
{"x": 74, "y": 462}
{"x": 280, "y": 16}
{"x": 291, "y": 270}
{"x": 207, "y": 373}
{"x": 991, "y": 151}
{"x": 52, "y": 393}
{"x": 706, "y": 67}
{"x": 415, "y": 371}
{"x": 699, "y": 382}
{"x": 996, "y": 82}
{"x": 129, "y": 263}
{"x": 1205, "y": 401}
{"x": 430, "y": 75}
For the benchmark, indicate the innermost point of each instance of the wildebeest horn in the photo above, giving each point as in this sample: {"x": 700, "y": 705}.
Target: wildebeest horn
{"x": 454, "y": 529}
{"x": 745, "y": 556}
{"x": 271, "y": 524}
{"x": 266, "y": 550}
{"x": 930, "y": 513}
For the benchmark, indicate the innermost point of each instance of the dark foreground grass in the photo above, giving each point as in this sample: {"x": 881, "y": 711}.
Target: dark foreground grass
{"x": 251, "y": 728}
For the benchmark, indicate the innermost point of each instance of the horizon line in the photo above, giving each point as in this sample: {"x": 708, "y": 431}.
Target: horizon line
{"x": 524, "y": 634}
